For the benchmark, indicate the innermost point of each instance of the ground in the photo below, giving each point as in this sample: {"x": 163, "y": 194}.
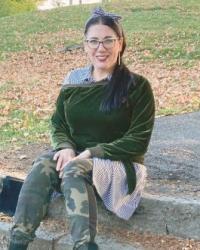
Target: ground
{"x": 175, "y": 86}
{"x": 146, "y": 240}
{"x": 18, "y": 162}
{"x": 31, "y": 81}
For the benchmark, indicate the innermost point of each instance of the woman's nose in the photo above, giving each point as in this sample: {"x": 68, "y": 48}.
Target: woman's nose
{"x": 101, "y": 47}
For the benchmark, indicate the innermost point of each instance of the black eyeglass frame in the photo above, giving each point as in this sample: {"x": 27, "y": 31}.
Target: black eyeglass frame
{"x": 101, "y": 42}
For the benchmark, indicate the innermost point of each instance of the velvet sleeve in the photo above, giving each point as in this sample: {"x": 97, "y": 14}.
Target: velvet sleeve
{"x": 133, "y": 144}
{"x": 60, "y": 131}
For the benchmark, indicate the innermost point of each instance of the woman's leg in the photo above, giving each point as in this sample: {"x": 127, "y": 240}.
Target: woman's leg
{"x": 80, "y": 202}
{"x": 33, "y": 201}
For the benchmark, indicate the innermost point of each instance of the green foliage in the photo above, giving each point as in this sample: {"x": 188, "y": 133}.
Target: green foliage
{"x": 157, "y": 29}
{"x": 16, "y": 32}
{"x": 21, "y": 128}
{"x": 11, "y": 7}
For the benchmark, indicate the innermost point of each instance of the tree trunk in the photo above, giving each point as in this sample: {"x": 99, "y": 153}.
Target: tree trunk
{"x": 80, "y": 1}
{"x": 70, "y": 2}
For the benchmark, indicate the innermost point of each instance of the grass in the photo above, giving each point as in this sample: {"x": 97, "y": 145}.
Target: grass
{"x": 156, "y": 30}
{"x": 23, "y": 128}
{"x": 17, "y": 31}
{"x": 166, "y": 30}
{"x": 11, "y": 7}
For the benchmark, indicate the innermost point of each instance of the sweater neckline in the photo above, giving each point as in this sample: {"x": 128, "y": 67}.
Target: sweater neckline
{"x": 87, "y": 84}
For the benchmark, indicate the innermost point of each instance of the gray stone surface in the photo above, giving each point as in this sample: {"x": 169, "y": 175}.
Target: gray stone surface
{"x": 173, "y": 158}
{"x": 4, "y": 228}
{"x": 155, "y": 214}
{"x": 46, "y": 240}
{"x": 168, "y": 215}
{"x": 171, "y": 202}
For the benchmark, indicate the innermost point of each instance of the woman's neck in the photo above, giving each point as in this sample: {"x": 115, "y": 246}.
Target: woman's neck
{"x": 99, "y": 75}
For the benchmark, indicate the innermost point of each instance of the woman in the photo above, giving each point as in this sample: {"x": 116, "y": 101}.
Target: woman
{"x": 100, "y": 132}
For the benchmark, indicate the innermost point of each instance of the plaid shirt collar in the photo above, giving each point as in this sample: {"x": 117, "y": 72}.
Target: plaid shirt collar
{"x": 88, "y": 75}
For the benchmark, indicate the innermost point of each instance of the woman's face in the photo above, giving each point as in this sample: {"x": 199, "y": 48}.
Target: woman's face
{"x": 103, "y": 56}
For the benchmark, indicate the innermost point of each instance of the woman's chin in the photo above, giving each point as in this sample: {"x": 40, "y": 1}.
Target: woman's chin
{"x": 102, "y": 66}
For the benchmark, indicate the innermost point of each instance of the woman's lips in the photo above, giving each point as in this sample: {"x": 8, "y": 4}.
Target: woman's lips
{"x": 102, "y": 58}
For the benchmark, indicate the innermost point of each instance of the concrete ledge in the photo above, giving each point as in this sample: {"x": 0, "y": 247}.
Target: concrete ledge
{"x": 46, "y": 240}
{"x": 156, "y": 214}
{"x": 169, "y": 215}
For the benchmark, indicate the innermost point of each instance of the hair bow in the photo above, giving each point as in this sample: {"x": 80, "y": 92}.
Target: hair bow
{"x": 100, "y": 12}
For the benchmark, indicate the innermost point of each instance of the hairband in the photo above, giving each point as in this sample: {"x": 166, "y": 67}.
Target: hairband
{"x": 100, "y": 12}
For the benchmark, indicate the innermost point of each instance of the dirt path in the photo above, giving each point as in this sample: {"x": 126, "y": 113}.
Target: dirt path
{"x": 17, "y": 162}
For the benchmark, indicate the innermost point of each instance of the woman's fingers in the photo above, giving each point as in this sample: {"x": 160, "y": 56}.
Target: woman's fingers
{"x": 63, "y": 164}
{"x": 63, "y": 157}
{"x": 61, "y": 174}
{"x": 59, "y": 163}
{"x": 56, "y": 156}
{"x": 58, "y": 159}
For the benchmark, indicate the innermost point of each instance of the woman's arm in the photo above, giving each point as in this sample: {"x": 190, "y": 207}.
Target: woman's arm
{"x": 60, "y": 132}
{"x": 60, "y": 136}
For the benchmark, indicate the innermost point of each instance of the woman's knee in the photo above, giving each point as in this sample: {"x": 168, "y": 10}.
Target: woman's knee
{"x": 45, "y": 164}
{"x": 43, "y": 172}
{"x": 76, "y": 168}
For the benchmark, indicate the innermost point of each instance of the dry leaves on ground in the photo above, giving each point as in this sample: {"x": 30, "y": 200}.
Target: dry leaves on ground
{"x": 33, "y": 81}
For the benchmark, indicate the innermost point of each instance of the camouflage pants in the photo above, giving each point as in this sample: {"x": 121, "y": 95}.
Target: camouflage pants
{"x": 80, "y": 201}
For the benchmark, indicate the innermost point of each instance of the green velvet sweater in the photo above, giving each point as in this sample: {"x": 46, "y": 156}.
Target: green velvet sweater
{"x": 120, "y": 135}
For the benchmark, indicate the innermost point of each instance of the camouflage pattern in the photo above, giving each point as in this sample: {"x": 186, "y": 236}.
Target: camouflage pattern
{"x": 80, "y": 201}
{"x": 76, "y": 185}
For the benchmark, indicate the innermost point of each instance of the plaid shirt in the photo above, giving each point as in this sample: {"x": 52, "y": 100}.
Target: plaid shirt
{"x": 81, "y": 75}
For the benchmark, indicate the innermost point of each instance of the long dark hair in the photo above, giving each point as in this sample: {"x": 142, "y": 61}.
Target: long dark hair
{"x": 116, "y": 91}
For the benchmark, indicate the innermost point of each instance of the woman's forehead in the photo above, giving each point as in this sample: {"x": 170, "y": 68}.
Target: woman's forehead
{"x": 101, "y": 31}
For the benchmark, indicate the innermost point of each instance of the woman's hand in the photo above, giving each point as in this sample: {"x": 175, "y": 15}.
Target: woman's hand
{"x": 83, "y": 155}
{"x": 63, "y": 157}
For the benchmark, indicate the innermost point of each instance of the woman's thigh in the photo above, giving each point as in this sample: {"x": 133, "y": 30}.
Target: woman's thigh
{"x": 43, "y": 172}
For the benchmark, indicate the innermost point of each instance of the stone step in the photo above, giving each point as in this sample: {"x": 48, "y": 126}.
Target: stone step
{"x": 155, "y": 214}
{"x": 166, "y": 215}
{"x": 46, "y": 240}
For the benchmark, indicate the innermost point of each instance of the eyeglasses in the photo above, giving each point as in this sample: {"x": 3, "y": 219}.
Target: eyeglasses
{"x": 107, "y": 43}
